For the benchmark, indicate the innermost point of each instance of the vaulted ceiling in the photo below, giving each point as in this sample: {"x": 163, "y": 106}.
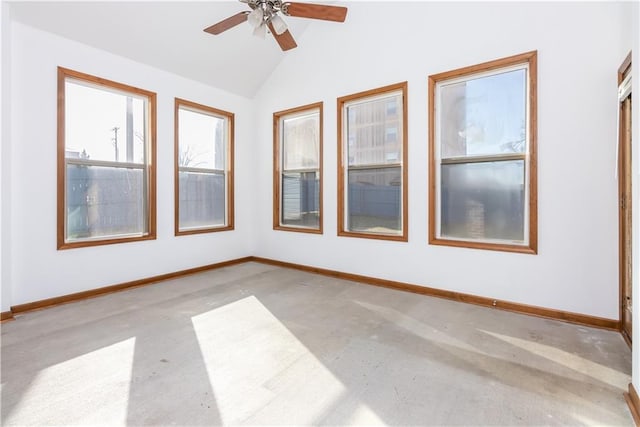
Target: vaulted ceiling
{"x": 169, "y": 36}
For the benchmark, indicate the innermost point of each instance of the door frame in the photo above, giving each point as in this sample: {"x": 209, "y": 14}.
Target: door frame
{"x": 624, "y": 232}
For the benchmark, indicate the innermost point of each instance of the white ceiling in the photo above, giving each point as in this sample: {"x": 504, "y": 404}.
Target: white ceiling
{"x": 169, "y": 36}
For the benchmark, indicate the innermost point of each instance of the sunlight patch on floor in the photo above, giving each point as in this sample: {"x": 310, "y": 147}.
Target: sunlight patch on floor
{"x": 500, "y": 367}
{"x": 363, "y": 416}
{"x": 417, "y": 327}
{"x": 583, "y": 420}
{"x": 255, "y": 365}
{"x": 89, "y": 389}
{"x": 571, "y": 361}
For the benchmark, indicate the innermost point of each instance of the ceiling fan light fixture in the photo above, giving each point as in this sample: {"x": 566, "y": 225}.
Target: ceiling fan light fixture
{"x": 279, "y": 25}
{"x": 268, "y": 13}
{"x": 256, "y": 17}
{"x": 260, "y": 31}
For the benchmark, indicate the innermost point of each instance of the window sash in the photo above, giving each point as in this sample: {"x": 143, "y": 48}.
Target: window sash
{"x": 483, "y": 159}
{"x": 104, "y": 87}
{"x": 282, "y": 143}
{"x": 225, "y": 135}
{"x": 282, "y": 220}
{"x": 526, "y": 211}
{"x": 145, "y": 100}
{"x": 104, "y": 163}
{"x": 438, "y": 212}
{"x": 227, "y": 119}
{"x": 283, "y": 171}
{"x": 477, "y": 76}
{"x": 347, "y": 126}
{"x": 376, "y": 166}
{"x": 201, "y": 170}
{"x": 525, "y": 156}
{"x": 348, "y": 214}
{"x": 299, "y": 170}
{"x": 373, "y": 98}
{"x": 111, "y": 165}
{"x": 210, "y": 172}
{"x": 371, "y": 165}
{"x": 281, "y": 214}
{"x": 66, "y": 78}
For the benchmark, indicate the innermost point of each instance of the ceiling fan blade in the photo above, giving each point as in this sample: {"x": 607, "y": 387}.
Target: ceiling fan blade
{"x": 228, "y": 23}
{"x": 285, "y": 40}
{"x": 315, "y": 11}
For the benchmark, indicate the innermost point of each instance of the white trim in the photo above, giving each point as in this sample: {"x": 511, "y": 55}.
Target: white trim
{"x": 347, "y": 167}
{"x": 438, "y": 152}
{"x": 145, "y": 166}
{"x": 306, "y": 113}
{"x": 371, "y": 98}
{"x": 226, "y": 135}
{"x": 483, "y": 74}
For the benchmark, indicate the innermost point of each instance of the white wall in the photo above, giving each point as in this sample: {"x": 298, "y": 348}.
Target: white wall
{"x": 39, "y": 270}
{"x": 5, "y": 153}
{"x": 579, "y": 47}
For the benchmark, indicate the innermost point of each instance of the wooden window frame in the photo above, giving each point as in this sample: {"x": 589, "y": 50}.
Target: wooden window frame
{"x": 229, "y": 161}
{"x": 278, "y": 169}
{"x": 150, "y": 166}
{"x": 531, "y": 247}
{"x": 343, "y": 166}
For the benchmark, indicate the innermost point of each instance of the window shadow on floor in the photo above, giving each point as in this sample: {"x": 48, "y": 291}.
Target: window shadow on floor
{"x": 256, "y": 344}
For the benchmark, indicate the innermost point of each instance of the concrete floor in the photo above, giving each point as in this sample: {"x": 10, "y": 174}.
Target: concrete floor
{"x": 260, "y": 345}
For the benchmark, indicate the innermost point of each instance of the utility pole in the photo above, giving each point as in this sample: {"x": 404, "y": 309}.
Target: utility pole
{"x": 115, "y": 140}
{"x": 129, "y": 129}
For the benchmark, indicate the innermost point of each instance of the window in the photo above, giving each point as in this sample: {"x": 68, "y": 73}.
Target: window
{"x": 203, "y": 168}
{"x": 482, "y": 152}
{"x": 297, "y": 174}
{"x": 106, "y": 161}
{"x": 372, "y": 165}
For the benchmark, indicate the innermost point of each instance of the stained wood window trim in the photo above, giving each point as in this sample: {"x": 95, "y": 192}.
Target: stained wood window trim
{"x": 343, "y": 166}
{"x": 149, "y": 169}
{"x": 530, "y": 59}
{"x": 179, "y": 104}
{"x": 278, "y": 168}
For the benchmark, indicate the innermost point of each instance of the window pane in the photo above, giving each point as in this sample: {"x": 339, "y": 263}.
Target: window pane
{"x": 374, "y": 199}
{"x": 483, "y": 200}
{"x": 202, "y": 140}
{"x": 374, "y": 131}
{"x": 104, "y": 201}
{"x": 484, "y": 116}
{"x": 301, "y": 141}
{"x": 301, "y": 199}
{"x": 101, "y": 124}
{"x": 202, "y": 200}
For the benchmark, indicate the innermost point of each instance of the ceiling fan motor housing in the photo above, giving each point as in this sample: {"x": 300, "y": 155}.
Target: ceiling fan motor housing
{"x": 269, "y": 7}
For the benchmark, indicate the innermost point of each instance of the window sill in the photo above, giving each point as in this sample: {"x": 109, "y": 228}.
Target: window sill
{"x": 531, "y": 249}
{"x": 392, "y": 237}
{"x": 101, "y": 242}
{"x": 298, "y": 229}
{"x": 203, "y": 230}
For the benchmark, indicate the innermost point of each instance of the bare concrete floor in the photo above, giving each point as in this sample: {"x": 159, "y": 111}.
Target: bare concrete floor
{"x": 261, "y": 345}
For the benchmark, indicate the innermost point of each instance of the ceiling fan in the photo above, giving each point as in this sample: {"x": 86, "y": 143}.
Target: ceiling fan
{"x": 266, "y": 13}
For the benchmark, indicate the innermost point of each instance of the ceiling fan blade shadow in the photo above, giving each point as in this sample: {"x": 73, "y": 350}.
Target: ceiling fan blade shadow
{"x": 315, "y": 11}
{"x": 227, "y": 24}
{"x": 285, "y": 40}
